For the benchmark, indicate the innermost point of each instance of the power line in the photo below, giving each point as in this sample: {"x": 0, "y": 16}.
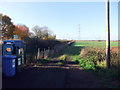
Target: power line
{"x": 79, "y": 32}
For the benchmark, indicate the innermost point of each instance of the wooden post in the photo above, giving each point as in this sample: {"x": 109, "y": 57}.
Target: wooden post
{"x": 107, "y": 35}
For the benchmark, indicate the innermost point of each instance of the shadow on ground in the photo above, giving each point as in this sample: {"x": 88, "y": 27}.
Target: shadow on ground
{"x": 52, "y": 75}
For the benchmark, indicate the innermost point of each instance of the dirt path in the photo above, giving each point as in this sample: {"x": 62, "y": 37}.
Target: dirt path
{"x": 52, "y": 75}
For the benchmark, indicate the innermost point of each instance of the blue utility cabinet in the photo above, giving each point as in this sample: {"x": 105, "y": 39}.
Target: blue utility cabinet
{"x": 11, "y": 48}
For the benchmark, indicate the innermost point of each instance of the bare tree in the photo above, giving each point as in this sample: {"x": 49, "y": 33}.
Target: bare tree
{"x": 37, "y": 31}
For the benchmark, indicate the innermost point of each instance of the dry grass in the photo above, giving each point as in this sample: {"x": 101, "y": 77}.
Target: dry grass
{"x": 99, "y": 55}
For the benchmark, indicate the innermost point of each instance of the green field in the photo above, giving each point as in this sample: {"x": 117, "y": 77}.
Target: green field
{"x": 95, "y": 44}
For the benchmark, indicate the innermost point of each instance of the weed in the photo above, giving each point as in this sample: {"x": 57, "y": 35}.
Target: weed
{"x": 60, "y": 63}
{"x": 63, "y": 57}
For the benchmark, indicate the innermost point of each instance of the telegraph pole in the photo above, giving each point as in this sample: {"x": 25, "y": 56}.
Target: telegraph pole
{"x": 107, "y": 34}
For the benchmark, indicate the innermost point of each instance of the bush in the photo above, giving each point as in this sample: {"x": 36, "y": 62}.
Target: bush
{"x": 32, "y": 45}
{"x": 115, "y": 59}
{"x": 95, "y": 55}
{"x": 76, "y": 59}
{"x": 95, "y": 59}
{"x": 98, "y": 56}
{"x": 87, "y": 64}
{"x": 64, "y": 57}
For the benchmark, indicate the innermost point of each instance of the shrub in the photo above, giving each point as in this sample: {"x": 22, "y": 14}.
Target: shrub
{"x": 95, "y": 59}
{"x": 76, "y": 59}
{"x": 86, "y": 63}
{"x": 98, "y": 56}
{"x": 64, "y": 57}
{"x": 115, "y": 57}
